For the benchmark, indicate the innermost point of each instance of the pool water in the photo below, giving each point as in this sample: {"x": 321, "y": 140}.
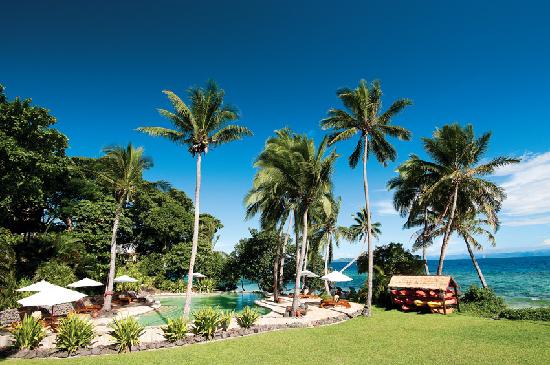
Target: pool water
{"x": 172, "y": 306}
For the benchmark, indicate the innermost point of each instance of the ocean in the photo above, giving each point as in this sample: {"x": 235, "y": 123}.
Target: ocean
{"x": 521, "y": 281}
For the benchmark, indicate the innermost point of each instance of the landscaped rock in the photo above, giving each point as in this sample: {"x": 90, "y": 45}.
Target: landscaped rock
{"x": 96, "y": 350}
{"x": 21, "y": 354}
{"x": 180, "y": 342}
{"x": 142, "y": 346}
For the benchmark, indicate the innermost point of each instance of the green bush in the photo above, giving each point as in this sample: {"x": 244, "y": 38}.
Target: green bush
{"x": 126, "y": 333}
{"x": 205, "y": 285}
{"x": 28, "y": 333}
{"x": 74, "y": 333}
{"x": 528, "y": 314}
{"x": 171, "y": 286}
{"x": 225, "y": 319}
{"x": 206, "y": 321}
{"x": 55, "y": 272}
{"x": 482, "y": 302}
{"x": 176, "y": 329}
{"x": 247, "y": 317}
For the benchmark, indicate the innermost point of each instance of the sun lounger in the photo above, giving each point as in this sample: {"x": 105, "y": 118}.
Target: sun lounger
{"x": 331, "y": 303}
{"x": 86, "y": 306}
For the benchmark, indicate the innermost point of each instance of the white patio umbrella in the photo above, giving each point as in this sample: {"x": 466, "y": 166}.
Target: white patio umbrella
{"x": 198, "y": 275}
{"x": 336, "y": 276}
{"x": 309, "y": 274}
{"x": 84, "y": 283}
{"x": 50, "y": 297}
{"x": 125, "y": 279}
{"x": 41, "y": 285}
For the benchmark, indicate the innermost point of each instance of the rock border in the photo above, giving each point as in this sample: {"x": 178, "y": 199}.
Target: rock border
{"x": 192, "y": 339}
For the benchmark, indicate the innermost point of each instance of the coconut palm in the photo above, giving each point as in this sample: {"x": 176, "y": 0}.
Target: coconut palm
{"x": 302, "y": 176}
{"x": 363, "y": 116}
{"x": 122, "y": 170}
{"x": 200, "y": 126}
{"x": 459, "y": 179}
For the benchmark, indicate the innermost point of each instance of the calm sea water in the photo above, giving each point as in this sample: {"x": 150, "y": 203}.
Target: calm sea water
{"x": 522, "y": 281}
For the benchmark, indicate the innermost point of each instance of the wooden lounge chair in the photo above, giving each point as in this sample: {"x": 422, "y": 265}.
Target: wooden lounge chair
{"x": 86, "y": 306}
{"x": 331, "y": 303}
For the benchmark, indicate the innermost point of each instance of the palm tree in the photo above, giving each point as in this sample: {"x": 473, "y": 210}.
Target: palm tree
{"x": 200, "y": 126}
{"x": 123, "y": 168}
{"x": 363, "y": 117}
{"x": 469, "y": 228}
{"x": 459, "y": 177}
{"x": 302, "y": 177}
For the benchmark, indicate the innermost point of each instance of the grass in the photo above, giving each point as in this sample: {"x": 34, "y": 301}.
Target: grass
{"x": 387, "y": 338}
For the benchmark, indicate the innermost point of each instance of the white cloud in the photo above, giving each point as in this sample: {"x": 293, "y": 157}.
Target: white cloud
{"x": 385, "y": 207}
{"x": 527, "y": 186}
{"x": 546, "y": 242}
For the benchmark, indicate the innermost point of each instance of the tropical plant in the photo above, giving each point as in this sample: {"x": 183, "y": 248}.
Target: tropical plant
{"x": 302, "y": 176}
{"x": 205, "y": 285}
{"x": 363, "y": 116}
{"x": 176, "y": 329}
{"x": 225, "y": 319}
{"x": 457, "y": 178}
{"x": 206, "y": 321}
{"x": 200, "y": 126}
{"x": 55, "y": 272}
{"x": 126, "y": 333}
{"x": 482, "y": 302}
{"x": 526, "y": 314}
{"x": 123, "y": 168}
{"x": 28, "y": 333}
{"x": 247, "y": 317}
{"x": 74, "y": 333}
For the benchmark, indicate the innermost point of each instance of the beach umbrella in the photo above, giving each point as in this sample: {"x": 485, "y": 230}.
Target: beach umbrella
{"x": 41, "y": 285}
{"x": 198, "y": 275}
{"x": 125, "y": 279}
{"x": 336, "y": 276}
{"x": 309, "y": 274}
{"x": 84, "y": 283}
{"x": 50, "y": 297}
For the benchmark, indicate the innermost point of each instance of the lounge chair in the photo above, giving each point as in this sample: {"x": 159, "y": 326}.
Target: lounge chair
{"x": 86, "y": 306}
{"x": 329, "y": 303}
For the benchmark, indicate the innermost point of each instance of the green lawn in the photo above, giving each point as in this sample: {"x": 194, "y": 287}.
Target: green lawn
{"x": 387, "y": 338}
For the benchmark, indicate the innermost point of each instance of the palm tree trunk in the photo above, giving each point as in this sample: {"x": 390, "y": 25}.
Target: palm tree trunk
{"x": 112, "y": 265}
{"x": 282, "y": 262}
{"x": 299, "y": 263}
{"x": 476, "y": 265}
{"x": 276, "y": 263}
{"x": 426, "y": 268}
{"x": 447, "y": 235}
{"x": 367, "y": 311}
{"x": 188, "y": 293}
{"x": 327, "y": 252}
{"x": 305, "y": 265}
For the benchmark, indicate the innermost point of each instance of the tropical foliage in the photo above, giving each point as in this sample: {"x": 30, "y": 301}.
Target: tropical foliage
{"x": 247, "y": 317}
{"x": 74, "y": 333}
{"x": 126, "y": 333}
{"x": 28, "y": 333}
{"x": 176, "y": 329}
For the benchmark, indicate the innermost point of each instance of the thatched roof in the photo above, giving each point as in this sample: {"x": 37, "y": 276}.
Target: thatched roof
{"x": 421, "y": 282}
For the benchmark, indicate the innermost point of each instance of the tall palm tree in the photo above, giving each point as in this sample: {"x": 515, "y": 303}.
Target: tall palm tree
{"x": 459, "y": 177}
{"x": 123, "y": 168}
{"x": 200, "y": 126}
{"x": 302, "y": 176}
{"x": 363, "y": 116}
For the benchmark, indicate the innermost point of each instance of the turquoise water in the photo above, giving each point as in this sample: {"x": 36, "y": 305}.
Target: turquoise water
{"x": 172, "y": 306}
{"x": 522, "y": 281}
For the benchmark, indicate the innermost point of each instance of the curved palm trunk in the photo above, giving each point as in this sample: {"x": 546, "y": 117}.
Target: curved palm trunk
{"x": 327, "y": 252}
{"x": 304, "y": 267}
{"x": 299, "y": 258}
{"x": 112, "y": 265}
{"x": 276, "y": 264}
{"x": 188, "y": 292}
{"x": 283, "y": 254}
{"x": 367, "y": 311}
{"x": 447, "y": 235}
{"x": 476, "y": 265}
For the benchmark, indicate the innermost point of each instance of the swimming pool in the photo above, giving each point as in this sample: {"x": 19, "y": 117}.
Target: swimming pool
{"x": 172, "y": 306}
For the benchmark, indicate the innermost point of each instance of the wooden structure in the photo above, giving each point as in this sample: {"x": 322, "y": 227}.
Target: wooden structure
{"x": 438, "y": 293}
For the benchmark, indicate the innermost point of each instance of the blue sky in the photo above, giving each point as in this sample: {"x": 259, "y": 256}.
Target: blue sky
{"x": 100, "y": 69}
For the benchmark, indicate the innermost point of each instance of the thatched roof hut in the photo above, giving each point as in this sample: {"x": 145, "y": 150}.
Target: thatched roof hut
{"x": 433, "y": 282}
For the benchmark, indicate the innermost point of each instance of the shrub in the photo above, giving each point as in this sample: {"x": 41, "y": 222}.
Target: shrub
{"x": 126, "y": 333}
{"x": 176, "y": 329}
{"x": 55, "y": 272}
{"x": 482, "y": 302}
{"x": 74, "y": 333}
{"x": 177, "y": 286}
{"x": 325, "y": 296}
{"x": 247, "y": 317}
{"x": 225, "y": 319}
{"x": 529, "y": 314}
{"x": 206, "y": 321}
{"x": 28, "y": 333}
{"x": 205, "y": 285}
